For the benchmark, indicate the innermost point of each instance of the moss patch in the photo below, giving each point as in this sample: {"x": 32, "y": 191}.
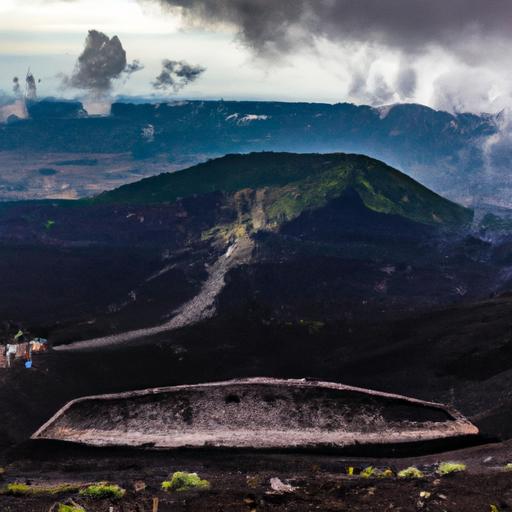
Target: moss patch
{"x": 410, "y": 472}
{"x": 18, "y": 489}
{"x": 69, "y": 508}
{"x": 182, "y": 481}
{"x": 103, "y": 491}
{"x": 448, "y": 468}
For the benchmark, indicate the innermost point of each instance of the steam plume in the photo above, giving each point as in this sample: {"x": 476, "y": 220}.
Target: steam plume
{"x": 102, "y": 61}
{"x": 31, "y": 87}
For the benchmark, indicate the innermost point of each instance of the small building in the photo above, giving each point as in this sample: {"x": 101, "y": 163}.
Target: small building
{"x": 10, "y": 352}
{"x": 38, "y": 345}
{"x": 23, "y": 351}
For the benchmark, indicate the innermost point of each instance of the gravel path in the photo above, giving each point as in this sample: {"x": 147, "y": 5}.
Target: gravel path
{"x": 200, "y": 307}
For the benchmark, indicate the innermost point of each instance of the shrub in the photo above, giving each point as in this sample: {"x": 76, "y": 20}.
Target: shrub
{"x": 447, "y": 468}
{"x": 183, "y": 481}
{"x": 410, "y": 472}
{"x": 508, "y": 467}
{"x": 102, "y": 491}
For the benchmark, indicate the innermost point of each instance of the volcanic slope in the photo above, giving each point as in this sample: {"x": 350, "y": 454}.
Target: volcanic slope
{"x": 316, "y": 215}
{"x": 338, "y": 242}
{"x": 346, "y": 228}
{"x": 293, "y": 183}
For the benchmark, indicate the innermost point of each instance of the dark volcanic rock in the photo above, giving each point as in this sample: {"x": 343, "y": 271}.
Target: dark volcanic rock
{"x": 255, "y": 414}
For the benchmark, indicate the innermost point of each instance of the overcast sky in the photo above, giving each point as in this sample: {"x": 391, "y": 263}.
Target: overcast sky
{"x": 452, "y": 54}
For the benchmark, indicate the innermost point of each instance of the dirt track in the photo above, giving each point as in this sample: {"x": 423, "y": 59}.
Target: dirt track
{"x": 200, "y": 307}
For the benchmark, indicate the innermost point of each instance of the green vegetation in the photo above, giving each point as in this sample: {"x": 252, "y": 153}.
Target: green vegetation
{"x": 447, "y": 468}
{"x": 371, "y": 472}
{"x": 494, "y": 508}
{"x": 69, "y": 508}
{"x": 410, "y": 472}
{"x": 102, "y": 491}
{"x": 182, "y": 481}
{"x": 368, "y": 472}
{"x": 18, "y": 489}
{"x": 49, "y": 224}
{"x": 288, "y": 184}
{"x": 508, "y": 467}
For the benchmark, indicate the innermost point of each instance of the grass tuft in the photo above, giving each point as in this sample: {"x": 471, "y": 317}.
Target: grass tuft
{"x": 448, "y": 468}
{"x": 18, "y": 489}
{"x": 411, "y": 472}
{"x": 369, "y": 472}
{"x": 183, "y": 481}
{"x": 69, "y": 508}
{"x": 103, "y": 491}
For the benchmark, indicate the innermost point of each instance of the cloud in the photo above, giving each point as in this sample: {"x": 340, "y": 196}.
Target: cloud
{"x": 176, "y": 75}
{"x": 134, "y": 67}
{"x": 410, "y": 25}
{"x": 406, "y": 82}
{"x": 460, "y": 32}
{"x": 465, "y": 90}
{"x": 373, "y": 90}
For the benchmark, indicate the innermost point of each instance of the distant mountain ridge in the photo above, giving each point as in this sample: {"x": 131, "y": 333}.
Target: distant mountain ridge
{"x": 442, "y": 150}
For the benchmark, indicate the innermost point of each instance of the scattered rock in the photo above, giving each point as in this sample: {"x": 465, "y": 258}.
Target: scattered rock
{"x": 279, "y": 487}
{"x": 139, "y": 486}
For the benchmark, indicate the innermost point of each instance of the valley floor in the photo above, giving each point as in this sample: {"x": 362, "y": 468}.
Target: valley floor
{"x": 241, "y": 481}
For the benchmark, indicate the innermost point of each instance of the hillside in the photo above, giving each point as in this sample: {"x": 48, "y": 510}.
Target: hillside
{"x": 293, "y": 183}
{"x": 266, "y": 263}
